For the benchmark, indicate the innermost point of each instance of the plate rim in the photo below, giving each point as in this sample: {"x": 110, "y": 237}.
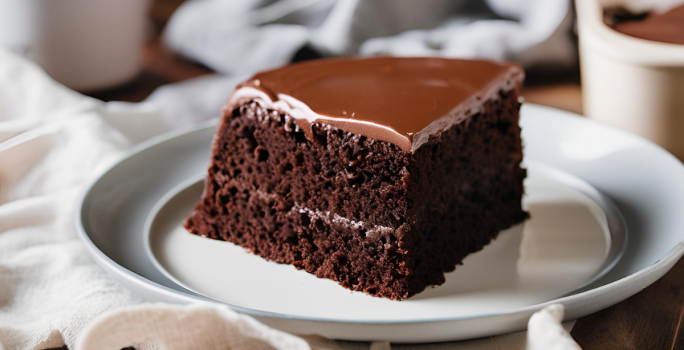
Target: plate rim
{"x": 110, "y": 265}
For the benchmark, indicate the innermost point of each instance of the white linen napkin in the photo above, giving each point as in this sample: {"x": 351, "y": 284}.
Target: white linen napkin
{"x": 53, "y": 141}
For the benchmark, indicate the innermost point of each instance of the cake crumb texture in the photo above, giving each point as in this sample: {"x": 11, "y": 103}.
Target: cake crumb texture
{"x": 364, "y": 213}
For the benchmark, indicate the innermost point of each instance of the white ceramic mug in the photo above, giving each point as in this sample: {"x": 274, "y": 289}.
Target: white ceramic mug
{"x": 84, "y": 44}
{"x": 632, "y": 83}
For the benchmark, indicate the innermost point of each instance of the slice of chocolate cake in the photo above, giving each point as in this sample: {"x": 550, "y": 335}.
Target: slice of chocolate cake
{"x": 379, "y": 173}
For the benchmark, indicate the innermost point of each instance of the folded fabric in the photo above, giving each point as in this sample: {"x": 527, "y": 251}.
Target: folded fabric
{"x": 244, "y": 36}
{"x": 55, "y": 140}
{"x": 204, "y": 326}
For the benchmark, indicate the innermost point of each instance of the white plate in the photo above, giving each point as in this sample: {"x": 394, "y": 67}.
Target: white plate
{"x": 569, "y": 241}
{"x": 645, "y": 183}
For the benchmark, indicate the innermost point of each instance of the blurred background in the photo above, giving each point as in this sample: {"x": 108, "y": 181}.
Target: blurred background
{"x": 125, "y": 50}
{"x": 184, "y": 58}
{"x": 553, "y": 81}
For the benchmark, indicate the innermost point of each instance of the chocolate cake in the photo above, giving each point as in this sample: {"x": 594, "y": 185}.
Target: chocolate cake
{"x": 381, "y": 173}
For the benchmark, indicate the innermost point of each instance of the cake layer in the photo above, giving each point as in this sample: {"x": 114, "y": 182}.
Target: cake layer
{"x": 294, "y": 201}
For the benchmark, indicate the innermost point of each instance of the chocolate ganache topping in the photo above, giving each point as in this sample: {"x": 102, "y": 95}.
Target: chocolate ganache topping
{"x": 666, "y": 27}
{"x": 397, "y": 100}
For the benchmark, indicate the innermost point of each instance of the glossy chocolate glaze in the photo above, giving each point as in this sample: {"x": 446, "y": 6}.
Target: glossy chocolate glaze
{"x": 398, "y": 100}
{"x": 667, "y": 27}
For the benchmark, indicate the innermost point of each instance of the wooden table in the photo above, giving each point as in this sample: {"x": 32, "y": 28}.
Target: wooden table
{"x": 652, "y": 319}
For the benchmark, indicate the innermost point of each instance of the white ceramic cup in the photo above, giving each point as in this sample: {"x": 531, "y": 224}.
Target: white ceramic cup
{"x": 632, "y": 83}
{"x": 84, "y": 44}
